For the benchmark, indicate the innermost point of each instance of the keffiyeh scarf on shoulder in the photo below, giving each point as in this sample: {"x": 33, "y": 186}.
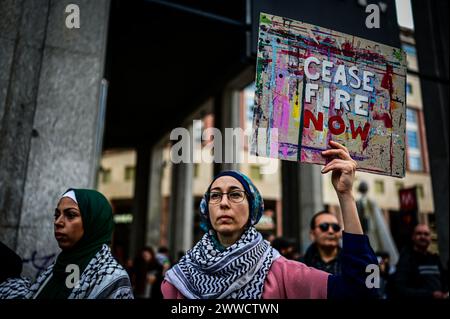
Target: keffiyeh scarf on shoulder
{"x": 103, "y": 278}
{"x": 238, "y": 272}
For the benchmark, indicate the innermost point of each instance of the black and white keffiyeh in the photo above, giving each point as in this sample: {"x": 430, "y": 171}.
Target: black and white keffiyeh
{"x": 238, "y": 272}
{"x": 15, "y": 288}
{"x": 103, "y": 278}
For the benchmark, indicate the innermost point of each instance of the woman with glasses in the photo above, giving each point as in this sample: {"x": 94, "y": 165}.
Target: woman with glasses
{"x": 233, "y": 261}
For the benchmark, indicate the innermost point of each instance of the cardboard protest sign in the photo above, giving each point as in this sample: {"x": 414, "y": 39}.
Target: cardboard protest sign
{"x": 314, "y": 85}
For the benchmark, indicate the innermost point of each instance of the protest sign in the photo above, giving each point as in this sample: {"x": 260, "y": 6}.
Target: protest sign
{"x": 314, "y": 85}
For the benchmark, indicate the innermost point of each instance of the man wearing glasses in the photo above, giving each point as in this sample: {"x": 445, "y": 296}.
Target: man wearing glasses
{"x": 324, "y": 252}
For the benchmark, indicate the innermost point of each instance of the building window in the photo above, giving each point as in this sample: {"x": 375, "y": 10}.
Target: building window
{"x": 197, "y": 131}
{"x": 413, "y": 141}
{"x": 415, "y": 163}
{"x": 379, "y": 187}
{"x": 196, "y": 168}
{"x": 399, "y": 186}
{"x": 409, "y": 49}
{"x": 249, "y": 102}
{"x": 106, "y": 176}
{"x": 420, "y": 191}
{"x": 411, "y": 116}
{"x": 409, "y": 89}
{"x": 129, "y": 173}
{"x": 255, "y": 172}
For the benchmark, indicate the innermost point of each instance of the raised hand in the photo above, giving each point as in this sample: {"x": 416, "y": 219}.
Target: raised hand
{"x": 343, "y": 168}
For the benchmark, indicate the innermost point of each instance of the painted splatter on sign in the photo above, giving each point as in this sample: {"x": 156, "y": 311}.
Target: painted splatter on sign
{"x": 314, "y": 85}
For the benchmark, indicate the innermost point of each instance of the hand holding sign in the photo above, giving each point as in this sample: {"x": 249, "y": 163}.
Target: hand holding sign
{"x": 343, "y": 168}
{"x": 315, "y": 85}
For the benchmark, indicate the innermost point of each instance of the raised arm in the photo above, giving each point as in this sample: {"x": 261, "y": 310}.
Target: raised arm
{"x": 356, "y": 252}
{"x": 343, "y": 176}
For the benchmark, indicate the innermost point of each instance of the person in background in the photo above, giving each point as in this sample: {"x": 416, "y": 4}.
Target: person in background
{"x": 286, "y": 247}
{"x": 325, "y": 252}
{"x": 12, "y": 285}
{"x": 269, "y": 237}
{"x": 163, "y": 258}
{"x": 83, "y": 226}
{"x": 386, "y": 272}
{"x": 146, "y": 275}
{"x": 419, "y": 272}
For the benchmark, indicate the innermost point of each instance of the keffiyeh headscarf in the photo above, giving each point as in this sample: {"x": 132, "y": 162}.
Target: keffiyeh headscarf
{"x": 211, "y": 271}
{"x": 255, "y": 201}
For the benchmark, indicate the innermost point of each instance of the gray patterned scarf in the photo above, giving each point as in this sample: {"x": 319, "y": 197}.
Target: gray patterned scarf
{"x": 238, "y": 272}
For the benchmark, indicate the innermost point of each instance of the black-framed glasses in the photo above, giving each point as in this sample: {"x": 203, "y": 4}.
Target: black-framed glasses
{"x": 325, "y": 226}
{"x": 235, "y": 196}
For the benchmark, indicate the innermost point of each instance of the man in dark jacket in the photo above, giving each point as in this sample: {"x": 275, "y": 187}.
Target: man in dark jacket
{"x": 12, "y": 286}
{"x": 324, "y": 252}
{"x": 11, "y": 265}
{"x": 419, "y": 272}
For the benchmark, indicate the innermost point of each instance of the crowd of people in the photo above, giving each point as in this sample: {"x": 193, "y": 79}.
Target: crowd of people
{"x": 232, "y": 259}
{"x": 419, "y": 272}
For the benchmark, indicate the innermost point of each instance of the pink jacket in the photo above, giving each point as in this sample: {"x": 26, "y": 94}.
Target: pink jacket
{"x": 286, "y": 279}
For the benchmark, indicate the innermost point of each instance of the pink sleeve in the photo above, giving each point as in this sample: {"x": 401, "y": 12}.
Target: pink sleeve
{"x": 288, "y": 279}
{"x": 169, "y": 291}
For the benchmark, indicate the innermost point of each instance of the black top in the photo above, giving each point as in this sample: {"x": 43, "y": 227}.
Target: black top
{"x": 418, "y": 274}
{"x": 312, "y": 258}
{"x": 11, "y": 263}
{"x": 355, "y": 280}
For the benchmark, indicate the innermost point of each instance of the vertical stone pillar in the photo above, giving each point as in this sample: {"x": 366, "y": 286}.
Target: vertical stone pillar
{"x": 301, "y": 199}
{"x": 181, "y": 220}
{"x": 155, "y": 198}
{"x": 226, "y": 115}
{"x": 50, "y": 79}
{"x": 141, "y": 196}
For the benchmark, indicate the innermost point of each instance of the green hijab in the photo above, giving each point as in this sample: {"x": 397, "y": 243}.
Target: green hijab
{"x": 97, "y": 217}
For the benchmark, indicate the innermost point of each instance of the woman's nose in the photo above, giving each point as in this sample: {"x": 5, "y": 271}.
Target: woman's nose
{"x": 224, "y": 200}
{"x": 59, "y": 221}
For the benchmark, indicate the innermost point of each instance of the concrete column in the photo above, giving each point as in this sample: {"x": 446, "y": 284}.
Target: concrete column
{"x": 226, "y": 115}
{"x": 311, "y": 198}
{"x": 290, "y": 199}
{"x": 50, "y": 79}
{"x": 155, "y": 198}
{"x": 301, "y": 199}
{"x": 181, "y": 220}
{"x": 140, "y": 206}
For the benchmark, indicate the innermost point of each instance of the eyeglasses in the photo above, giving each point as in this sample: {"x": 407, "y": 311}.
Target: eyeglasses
{"x": 236, "y": 196}
{"x": 325, "y": 226}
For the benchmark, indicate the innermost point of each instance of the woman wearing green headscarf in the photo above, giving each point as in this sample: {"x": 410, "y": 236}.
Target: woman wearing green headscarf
{"x": 85, "y": 269}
